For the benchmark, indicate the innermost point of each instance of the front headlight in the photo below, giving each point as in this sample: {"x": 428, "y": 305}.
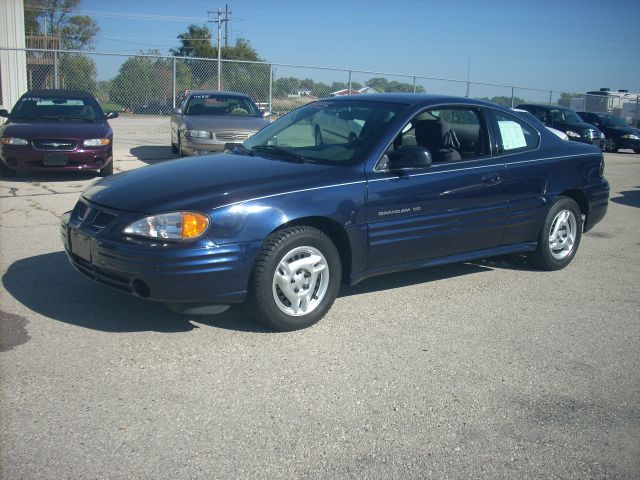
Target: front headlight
{"x": 197, "y": 134}
{"x": 96, "y": 142}
{"x": 630, "y": 136}
{"x": 170, "y": 226}
{"x": 572, "y": 134}
{"x": 13, "y": 141}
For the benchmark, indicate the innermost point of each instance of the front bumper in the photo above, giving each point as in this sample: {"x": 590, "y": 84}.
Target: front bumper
{"x": 25, "y": 157}
{"x": 199, "y": 272}
{"x": 203, "y": 146}
{"x": 598, "y": 142}
{"x": 190, "y": 147}
{"x": 627, "y": 143}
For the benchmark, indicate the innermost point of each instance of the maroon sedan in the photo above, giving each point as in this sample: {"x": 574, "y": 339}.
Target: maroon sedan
{"x": 56, "y": 130}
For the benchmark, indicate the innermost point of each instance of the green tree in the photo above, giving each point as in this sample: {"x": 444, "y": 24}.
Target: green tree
{"x": 135, "y": 83}
{"x": 504, "y": 101}
{"x": 381, "y": 84}
{"x": 76, "y": 32}
{"x": 144, "y": 79}
{"x": 242, "y": 50}
{"x": 77, "y": 72}
{"x": 195, "y": 42}
{"x": 565, "y": 99}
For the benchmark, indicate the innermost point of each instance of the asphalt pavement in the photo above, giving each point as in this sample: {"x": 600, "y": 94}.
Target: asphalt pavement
{"x": 483, "y": 370}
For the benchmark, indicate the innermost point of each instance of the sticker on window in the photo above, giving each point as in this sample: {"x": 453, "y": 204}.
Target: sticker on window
{"x": 512, "y": 135}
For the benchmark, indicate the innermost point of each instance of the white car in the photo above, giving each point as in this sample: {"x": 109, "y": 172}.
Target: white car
{"x": 331, "y": 126}
{"x": 530, "y": 116}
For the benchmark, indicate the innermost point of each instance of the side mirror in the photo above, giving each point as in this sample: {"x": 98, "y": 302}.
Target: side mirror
{"x": 111, "y": 115}
{"x": 410, "y": 156}
{"x": 177, "y": 111}
{"x": 266, "y": 114}
{"x": 4, "y": 113}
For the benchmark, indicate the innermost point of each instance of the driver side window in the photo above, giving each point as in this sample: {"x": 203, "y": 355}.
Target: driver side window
{"x": 449, "y": 133}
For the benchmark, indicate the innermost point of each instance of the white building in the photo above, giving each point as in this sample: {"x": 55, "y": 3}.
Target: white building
{"x": 13, "y": 63}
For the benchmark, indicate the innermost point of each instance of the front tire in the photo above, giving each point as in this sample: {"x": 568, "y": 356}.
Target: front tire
{"x": 107, "y": 170}
{"x": 295, "y": 279}
{"x": 559, "y": 236}
{"x": 7, "y": 172}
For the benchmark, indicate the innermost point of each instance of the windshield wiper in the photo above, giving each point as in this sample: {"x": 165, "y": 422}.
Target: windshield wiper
{"x": 275, "y": 149}
{"x": 238, "y": 149}
{"x": 80, "y": 119}
{"x": 59, "y": 118}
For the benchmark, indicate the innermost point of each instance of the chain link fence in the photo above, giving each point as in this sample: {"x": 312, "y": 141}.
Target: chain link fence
{"x": 148, "y": 87}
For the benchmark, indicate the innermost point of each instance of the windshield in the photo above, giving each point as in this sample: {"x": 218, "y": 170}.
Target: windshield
{"x": 212, "y": 104}
{"x": 613, "y": 121}
{"x": 529, "y": 116}
{"x": 57, "y": 109}
{"x": 565, "y": 115}
{"x": 327, "y": 131}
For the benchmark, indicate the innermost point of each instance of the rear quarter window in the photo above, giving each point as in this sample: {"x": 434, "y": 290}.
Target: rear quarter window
{"x": 513, "y": 134}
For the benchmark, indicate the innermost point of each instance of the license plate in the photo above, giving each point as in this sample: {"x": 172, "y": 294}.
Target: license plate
{"x": 80, "y": 245}
{"x": 55, "y": 159}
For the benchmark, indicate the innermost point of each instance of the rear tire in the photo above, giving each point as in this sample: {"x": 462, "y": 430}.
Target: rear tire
{"x": 295, "y": 279}
{"x": 559, "y": 236}
{"x": 180, "y": 154}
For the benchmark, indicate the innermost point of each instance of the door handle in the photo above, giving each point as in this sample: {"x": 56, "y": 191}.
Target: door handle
{"x": 491, "y": 179}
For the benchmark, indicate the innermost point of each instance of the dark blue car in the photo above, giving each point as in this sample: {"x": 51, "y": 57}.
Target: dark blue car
{"x": 383, "y": 183}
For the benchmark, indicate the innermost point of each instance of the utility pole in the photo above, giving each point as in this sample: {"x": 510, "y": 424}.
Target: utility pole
{"x": 219, "y": 22}
{"x": 226, "y": 25}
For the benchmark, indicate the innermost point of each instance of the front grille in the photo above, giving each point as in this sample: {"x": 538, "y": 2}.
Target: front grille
{"x": 232, "y": 137}
{"x": 55, "y": 145}
{"x": 121, "y": 281}
{"x": 94, "y": 217}
{"x": 591, "y": 134}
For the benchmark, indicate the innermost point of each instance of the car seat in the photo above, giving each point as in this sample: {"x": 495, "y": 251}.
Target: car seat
{"x": 196, "y": 109}
{"x": 439, "y": 139}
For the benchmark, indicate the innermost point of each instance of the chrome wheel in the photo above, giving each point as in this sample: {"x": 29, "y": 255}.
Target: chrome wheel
{"x": 562, "y": 235}
{"x": 300, "y": 281}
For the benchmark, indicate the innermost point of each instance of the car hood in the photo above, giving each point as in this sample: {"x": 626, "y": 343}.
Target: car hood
{"x": 205, "y": 122}
{"x": 624, "y": 130}
{"x": 575, "y": 126}
{"x": 206, "y": 182}
{"x": 54, "y": 130}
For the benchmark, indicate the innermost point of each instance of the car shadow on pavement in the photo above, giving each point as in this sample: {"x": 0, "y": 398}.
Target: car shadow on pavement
{"x": 49, "y": 285}
{"x": 151, "y": 154}
{"x": 631, "y": 198}
{"x": 434, "y": 274}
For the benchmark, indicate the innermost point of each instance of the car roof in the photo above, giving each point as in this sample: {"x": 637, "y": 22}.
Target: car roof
{"x": 423, "y": 99}
{"x": 597, "y": 114}
{"x": 58, "y": 93}
{"x": 540, "y": 105}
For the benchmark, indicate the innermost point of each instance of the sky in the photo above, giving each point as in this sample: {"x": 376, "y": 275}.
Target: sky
{"x": 571, "y": 46}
